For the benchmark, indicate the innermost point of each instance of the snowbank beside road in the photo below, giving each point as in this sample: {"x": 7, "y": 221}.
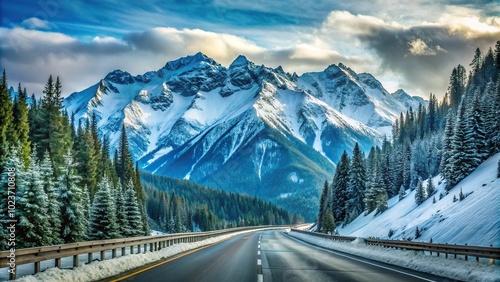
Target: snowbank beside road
{"x": 451, "y": 268}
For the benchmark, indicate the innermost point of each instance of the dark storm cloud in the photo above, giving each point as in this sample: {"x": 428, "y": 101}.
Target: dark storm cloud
{"x": 424, "y": 70}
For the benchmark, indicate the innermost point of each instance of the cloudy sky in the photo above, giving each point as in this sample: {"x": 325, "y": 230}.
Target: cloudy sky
{"x": 409, "y": 44}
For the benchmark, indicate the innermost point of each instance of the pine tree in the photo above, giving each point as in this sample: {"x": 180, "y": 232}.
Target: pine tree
{"x": 357, "y": 184}
{"x": 102, "y": 216}
{"x": 14, "y": 170}
{"x": 430, "y": 189}
{"x": 446, "y": 160}
{"x": 476, "y": 134}
{"x": 21, "y": 125}
{"x": 86, "y": 203}
{"x": 419, "y": 193}
{"x": 402, "y": 192}
{"x": 53, "y": 209}
{"x": 323, "y": 201}
{"x": 462, "y": 156}
{"x": 125, "y": 164}
{"x": 73, "y": 221}
{"x": 340, "y": 186}
{"x": 33, "y": 227}
{"x": 498, "y": 169}
{"x": 418, "y": 233}
{"x": 456, "y": 87}
{"x": 6, "y": 118}
{"x": 121, "y": 212}
{"x": 133, "y": 213}
{"x": 461, "y": 195}
{"x": 51, "y": 130}
{"x": 327, "y": 223}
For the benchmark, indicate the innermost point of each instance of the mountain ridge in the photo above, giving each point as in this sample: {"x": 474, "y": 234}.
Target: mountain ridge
{"x": 193, "y": 117}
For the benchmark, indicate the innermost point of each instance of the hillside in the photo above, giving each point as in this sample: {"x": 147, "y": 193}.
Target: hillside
{"x": 168, "y": 198}
{"x": 472, "y": 221}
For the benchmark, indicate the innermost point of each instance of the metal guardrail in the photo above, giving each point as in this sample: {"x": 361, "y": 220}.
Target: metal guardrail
{"x": 326, "y": 236}
{"x": 155, "y": 243}
{"x": 446, "y": 249}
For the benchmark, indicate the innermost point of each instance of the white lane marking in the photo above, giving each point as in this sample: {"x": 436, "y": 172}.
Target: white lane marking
{"x": 259, "y": 262}
{"x": 258, "y": 246}
{"x": 334, "y": 252}
{"x": 260, "y": 278}
{"x": 259, "y": 241}
{"x": 258, "y": 253}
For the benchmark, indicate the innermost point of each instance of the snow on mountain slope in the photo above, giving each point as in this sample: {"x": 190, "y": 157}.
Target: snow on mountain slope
{"x": 472, "y": 221}
{"x": 194, "y": 118}
{"x": 358, "y": 96}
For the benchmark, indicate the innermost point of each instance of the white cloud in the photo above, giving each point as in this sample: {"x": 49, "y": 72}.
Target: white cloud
{"x": 36, "y": 23}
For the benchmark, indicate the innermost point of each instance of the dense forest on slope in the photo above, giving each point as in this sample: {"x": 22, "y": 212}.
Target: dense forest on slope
{"x": 179, "y": 205}
{"x": 451, "y": 138}
{"x": 57, "y": 179}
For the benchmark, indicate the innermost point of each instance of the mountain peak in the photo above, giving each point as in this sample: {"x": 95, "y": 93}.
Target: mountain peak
{"x": 189, "y": 60}
{"x": 120, "y": 77}
{"x": 239, "y": 61}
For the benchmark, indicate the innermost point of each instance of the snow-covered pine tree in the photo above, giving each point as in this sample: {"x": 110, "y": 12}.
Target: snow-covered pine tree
{"x": 476, "y": 133}
{"x": 419, "y": 193}
{"x": 376, "y": 196}
{"x": 102, "y": 216}
{"x": 402, "y": 192}
{"x": 462, "y": 156}
{"x": 13, "y": 167}
{"x": 340, "y": 186}
{"x": 33, "y": 227}
{"x": 73, "y": 221}
{"x": 446, "y": 160}
{"x": 357, "y": 184}
{"x": 498, "y": 169}
{"x": 133, "y": 213}
{"x": 53, "y": 209}
{"x": 327, "y": 223}
{"x": 86, "y": 203}
{"x": 121, "y": 213}
{"x": 430, "y": 189}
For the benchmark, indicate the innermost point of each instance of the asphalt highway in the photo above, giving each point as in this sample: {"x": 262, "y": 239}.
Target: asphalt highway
{"x": 272, "y": 256}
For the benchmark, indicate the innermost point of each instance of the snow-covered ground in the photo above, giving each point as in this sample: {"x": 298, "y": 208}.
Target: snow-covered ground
{"x": 102, "y": 269}
{"x": 447, "y": 267}
{"x": 473, "y": 221}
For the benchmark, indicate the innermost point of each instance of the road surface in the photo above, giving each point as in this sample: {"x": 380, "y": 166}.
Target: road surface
{"x": 272, "y": 256}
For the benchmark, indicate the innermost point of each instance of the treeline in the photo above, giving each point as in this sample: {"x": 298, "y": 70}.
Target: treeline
{"x": 180, "y": 206}
{"x": 451, "y": 137}
{"x": 67, "y": 188}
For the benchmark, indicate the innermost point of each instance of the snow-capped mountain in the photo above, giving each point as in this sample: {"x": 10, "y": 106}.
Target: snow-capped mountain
{"x": 245, "y": 128}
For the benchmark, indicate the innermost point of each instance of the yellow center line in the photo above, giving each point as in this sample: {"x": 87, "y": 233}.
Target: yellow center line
{"x": 178, "y": 256}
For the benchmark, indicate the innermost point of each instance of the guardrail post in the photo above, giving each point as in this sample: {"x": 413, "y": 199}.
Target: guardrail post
{"x": 139, "y": 248}
{"x": 103, "y": 255}
{"x": 90, "y": 257}
{"x": 151, "y": 247}
{"x": 37, "y": 267}
{"x": 58, "y": 262}
{"x": 146, "y": 248}
{"x": 131, "y": 249}
{"x": 75, "y": 260}
{"x": 113, "y": 253}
